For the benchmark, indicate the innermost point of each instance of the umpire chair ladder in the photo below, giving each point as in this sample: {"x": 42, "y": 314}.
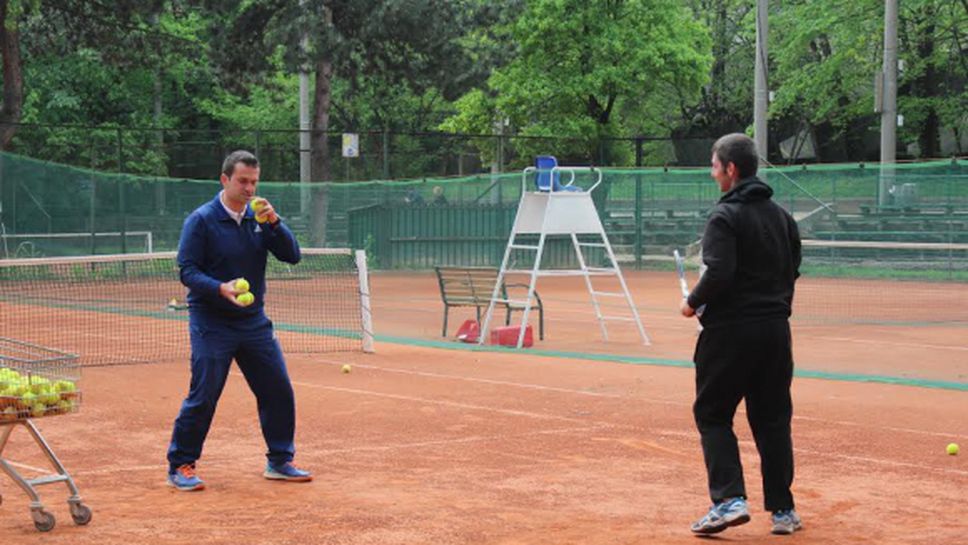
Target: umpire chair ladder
{"x": 560, "y": 209}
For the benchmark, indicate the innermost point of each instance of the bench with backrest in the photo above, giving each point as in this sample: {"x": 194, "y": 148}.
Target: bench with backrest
{"x": 472, "y": 287}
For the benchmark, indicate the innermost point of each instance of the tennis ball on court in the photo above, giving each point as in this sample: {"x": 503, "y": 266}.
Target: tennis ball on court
{"x": 346, "y": 368}
{"x": 242, "y": 285}
{"x": 246, "y": 298}
{"x": 38, "y": 410}
{"x": 257, "y": 204}
{"x": 952, "y": 449}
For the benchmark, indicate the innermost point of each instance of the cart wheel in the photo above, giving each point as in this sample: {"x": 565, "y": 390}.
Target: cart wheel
{"x": 43, "y": 520}
{"x": 80, "y": 513}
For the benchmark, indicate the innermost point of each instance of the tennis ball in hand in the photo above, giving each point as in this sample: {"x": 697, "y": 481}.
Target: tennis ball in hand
{"x": 242, "y": 285}
{"x": 257, "y": 204}
{"x": 346, "y": 368}
{"x": 246, "y": 298}
{"x": 952, "y": 449}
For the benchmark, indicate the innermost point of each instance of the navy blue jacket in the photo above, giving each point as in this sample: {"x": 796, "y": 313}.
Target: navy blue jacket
{"x": 214, "y": 249}
{"x": 751, "y": 248}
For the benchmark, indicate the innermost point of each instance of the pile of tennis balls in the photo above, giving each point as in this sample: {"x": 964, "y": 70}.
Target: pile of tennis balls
{"x": 33, "y": 396}
{"x": 245, "y": 298}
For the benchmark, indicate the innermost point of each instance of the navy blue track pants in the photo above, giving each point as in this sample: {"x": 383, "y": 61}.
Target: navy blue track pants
{"x": 252, "y": 344}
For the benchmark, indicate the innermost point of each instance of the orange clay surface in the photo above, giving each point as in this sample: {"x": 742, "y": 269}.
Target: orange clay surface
{"x": 423, "y": 445}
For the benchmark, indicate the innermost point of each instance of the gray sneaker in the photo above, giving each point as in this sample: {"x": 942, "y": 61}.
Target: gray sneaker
{"x": 722, "y": 515}
{"x": 786, "y": 521}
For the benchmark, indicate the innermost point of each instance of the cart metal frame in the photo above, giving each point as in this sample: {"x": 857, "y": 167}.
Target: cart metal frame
{"x": 35, "y": 359}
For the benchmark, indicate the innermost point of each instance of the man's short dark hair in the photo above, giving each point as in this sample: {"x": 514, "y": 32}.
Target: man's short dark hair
{"x": 740, "y": 150}
{"x": 236, "y": 157}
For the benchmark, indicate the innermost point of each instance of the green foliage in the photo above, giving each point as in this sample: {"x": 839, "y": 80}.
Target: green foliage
{"x": 568, "y": 76}
{"x": 578, "y": 63}
{"x": 826, "y": 61}
{"x": 273, "y": 103}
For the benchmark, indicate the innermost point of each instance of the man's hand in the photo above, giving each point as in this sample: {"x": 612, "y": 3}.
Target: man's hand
{"x": 685, "y": 309}
{"x": 264, "y": 211}
{"x": 228, "y": 291}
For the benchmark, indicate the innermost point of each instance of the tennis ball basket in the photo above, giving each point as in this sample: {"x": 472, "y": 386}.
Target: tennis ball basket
{"x": 38, "y": 382}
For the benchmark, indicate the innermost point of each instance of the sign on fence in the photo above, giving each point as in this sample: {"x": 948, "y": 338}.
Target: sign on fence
{"x": 351, "y": 144}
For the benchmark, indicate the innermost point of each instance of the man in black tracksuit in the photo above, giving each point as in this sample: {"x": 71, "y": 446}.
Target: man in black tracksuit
{"x": 751, "y": 248}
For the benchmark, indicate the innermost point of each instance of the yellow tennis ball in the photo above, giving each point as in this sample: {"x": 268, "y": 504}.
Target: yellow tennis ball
{"x": 346, "y": 368}
{"x": 65, "y": 386}
{"x": 242, "y": 285}
{"x": 28, "y": 399}
{"x": 246, "y": 298}
{"x": 258, "y": 204}
{"x": 952, "y": 449}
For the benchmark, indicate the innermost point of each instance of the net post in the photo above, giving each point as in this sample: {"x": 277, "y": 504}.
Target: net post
{"x": 366, "y": 315}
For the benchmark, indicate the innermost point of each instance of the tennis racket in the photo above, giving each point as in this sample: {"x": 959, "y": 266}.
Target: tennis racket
{"x": 681, "y": 272}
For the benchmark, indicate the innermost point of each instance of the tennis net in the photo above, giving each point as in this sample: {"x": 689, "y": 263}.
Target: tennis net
{"x": 883, "y": 283}
{"x": 127, "y": 309}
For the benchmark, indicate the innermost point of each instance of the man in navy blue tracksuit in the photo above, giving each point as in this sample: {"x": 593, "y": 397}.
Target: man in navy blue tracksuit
{"x": 751, "y": 248}
{"x": 222, "y": 241}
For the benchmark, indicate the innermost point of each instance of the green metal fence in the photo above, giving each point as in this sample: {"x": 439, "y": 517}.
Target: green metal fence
{"x": 53, "y": 209}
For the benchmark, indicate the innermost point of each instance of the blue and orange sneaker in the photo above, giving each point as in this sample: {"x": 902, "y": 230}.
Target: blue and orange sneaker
{"x": 183, "y": 478}
{"x": 722, "y": 515}
{"x": 286, "y": 472}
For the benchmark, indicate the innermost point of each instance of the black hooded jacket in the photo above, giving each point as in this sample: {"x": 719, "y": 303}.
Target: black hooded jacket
{"x": 751, "y": 248}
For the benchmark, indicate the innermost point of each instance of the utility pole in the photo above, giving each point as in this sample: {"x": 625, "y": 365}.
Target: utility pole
{"x": 888, "y": 104}
{"x": 305, "y": 133}
{"x": 761, "y": 82}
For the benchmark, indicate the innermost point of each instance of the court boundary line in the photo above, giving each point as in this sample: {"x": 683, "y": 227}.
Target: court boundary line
{"x": 583, "y": 425}
{"x": 530, "y": 386}
{"x": 662, "y": 362}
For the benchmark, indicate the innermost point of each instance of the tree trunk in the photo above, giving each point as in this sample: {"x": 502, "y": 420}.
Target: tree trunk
{"x": 13, "y": 80}
{"x": 927, "y": 87}
{"x": 321, "y": 168}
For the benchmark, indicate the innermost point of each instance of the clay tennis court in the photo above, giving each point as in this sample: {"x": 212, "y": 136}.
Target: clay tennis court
{"x": 572, "y": 441}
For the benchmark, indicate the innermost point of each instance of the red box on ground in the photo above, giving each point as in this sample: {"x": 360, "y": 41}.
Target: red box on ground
{"x": 469, "y": 331}
{"x": 508, "y": 336}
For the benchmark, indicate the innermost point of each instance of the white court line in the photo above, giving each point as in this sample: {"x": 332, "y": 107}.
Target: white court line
{"x": 895, "y": 463}
{"x": 29, "y": 468}
{"x": 529, "y": 386}
{"x": 751, "y": 447}
{"x": 504, "y": 383}
{"x": 123, "y": 338}
{"x": 435, "y": 401}
{"x": 471, "y": 439}
{"x": 886, "y": 428}
{"x": 323, "y": 453}
{"x": 894, "y": 343}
